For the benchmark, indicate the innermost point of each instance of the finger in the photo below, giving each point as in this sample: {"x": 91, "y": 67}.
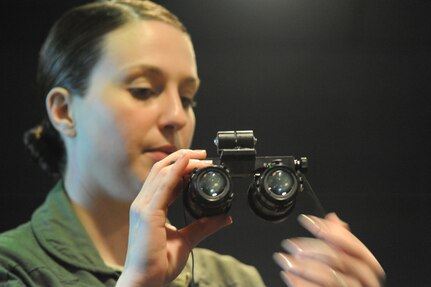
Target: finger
{"x": 197, "y": 163}
{"x": 316, "y": 249}
{"x": 168, "y": 179}
{"x": 178, "y": 189}
{"x": 292, "y": 280}
{"x": 173, "y": 157}
{"x": 313, "y": 248}
{"x": 162, "y": 172}
{"x": 204, "y": 227}
{"x": 333, "y": 217}
{"x": 147, "y": 189}
{"x": 171, "y": 180}
{"x": 308, "y": 269}
{"x": 183, "y": 181}
{"x": 196, "y": 154}
{"x": 313, "y": 271}
{"x": 346, "y": 281}
{"x": 192, "y": 165}
{"x": 358, "y": 269}
{"x": 341, "y": 238}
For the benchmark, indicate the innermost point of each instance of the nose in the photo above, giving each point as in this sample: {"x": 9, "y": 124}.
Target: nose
{"x": 173, "y": 116}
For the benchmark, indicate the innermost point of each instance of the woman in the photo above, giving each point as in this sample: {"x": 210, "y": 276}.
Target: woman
{"x": 119, "y": 79}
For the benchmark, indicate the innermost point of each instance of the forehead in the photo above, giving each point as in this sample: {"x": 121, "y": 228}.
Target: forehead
{"x": 149, "y": 42}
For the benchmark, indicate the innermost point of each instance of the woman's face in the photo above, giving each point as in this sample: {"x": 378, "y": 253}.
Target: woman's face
{"x": 137, "y": 109}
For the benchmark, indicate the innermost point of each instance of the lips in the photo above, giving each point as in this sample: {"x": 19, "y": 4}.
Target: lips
{"x": 159, "y": 153}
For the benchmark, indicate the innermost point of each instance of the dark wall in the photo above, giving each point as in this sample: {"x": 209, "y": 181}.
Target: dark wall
{"x": 344, "y": 82}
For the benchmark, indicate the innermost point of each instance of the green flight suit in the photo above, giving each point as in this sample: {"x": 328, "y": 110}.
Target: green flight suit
{"x": 53, "y": 249}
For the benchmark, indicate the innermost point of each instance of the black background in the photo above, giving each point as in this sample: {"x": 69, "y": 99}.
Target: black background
{"x": 344, "y": 82}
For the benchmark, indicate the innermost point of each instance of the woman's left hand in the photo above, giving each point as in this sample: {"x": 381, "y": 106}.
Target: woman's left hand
{"x": 334, "y": 258}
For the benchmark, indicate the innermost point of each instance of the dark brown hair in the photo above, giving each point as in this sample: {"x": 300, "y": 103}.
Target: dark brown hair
{"x": 71, "y": 50}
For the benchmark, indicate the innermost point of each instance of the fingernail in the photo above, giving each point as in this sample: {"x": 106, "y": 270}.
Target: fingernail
{"x": 227, "y": 218}
{"x": 223, "y": 217}
{"x": 291, "y": 246}
{"x": 170, "y": 226}
{"x": 230, "y": 220}
{"x": 206, "y": 161}
{"x": 309, "y": 223}
{"x": 179, "y": 159}
{"x": 282, "y": 261}
{"x": 200, "y": 150}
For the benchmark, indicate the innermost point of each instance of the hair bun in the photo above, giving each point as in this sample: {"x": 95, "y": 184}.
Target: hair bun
{"x": 46, "y": 147}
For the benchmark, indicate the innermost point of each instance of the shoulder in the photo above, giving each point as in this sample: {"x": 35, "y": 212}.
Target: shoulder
{"x": 224, "y": 270}
{"x": 17, "y": 242}
{"x": 19, "y": 247}
{"x": 16, "y": 251}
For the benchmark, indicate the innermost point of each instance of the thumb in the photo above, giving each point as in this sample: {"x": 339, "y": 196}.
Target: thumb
{"x": 204, "y": 227}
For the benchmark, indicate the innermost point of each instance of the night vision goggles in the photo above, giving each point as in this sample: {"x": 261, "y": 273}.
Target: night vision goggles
{"x": 275, "y": 180}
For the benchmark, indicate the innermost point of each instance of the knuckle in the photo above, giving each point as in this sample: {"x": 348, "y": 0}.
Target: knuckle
{"x": 157, "y": 166}
{"x": 183, "y": 152}
{"x": 135, "y": 208}
{"x": 164, "y": 172}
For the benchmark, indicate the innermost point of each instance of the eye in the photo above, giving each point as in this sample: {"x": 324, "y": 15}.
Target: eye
{"x": 188, "y": 102}
{"x": 142, "y": 93}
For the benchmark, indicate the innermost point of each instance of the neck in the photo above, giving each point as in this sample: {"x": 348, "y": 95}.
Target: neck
{"x": 105, "y": 219}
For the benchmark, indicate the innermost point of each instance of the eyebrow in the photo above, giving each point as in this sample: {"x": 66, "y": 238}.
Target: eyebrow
{"x": 155, "y": 72}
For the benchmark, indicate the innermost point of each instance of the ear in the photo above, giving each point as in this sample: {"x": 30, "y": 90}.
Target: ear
{"x": 58, "y": 105}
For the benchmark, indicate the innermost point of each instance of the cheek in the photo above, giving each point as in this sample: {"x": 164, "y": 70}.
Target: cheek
{"x": 134, "y": 123}
{"x": 107, "y": 123}
{"x": 99, "y": 147}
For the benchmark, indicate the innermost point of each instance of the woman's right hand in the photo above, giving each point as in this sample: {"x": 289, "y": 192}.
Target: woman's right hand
{"x": 157, "y": 251}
